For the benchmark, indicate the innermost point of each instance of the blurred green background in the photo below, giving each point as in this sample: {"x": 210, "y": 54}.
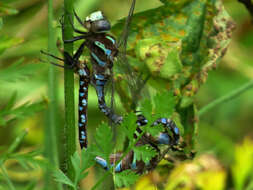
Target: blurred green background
{"x": 24, "y": 34}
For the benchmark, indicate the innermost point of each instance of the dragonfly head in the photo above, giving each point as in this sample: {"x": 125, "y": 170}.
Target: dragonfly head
{"x": 97, "y": 23}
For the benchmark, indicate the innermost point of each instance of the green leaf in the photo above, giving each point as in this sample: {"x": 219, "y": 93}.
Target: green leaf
{"x": 10, "y": 112}
{"x": 30, "y": 159}
{"x": 162, "y": 59}
{"x": 104, "y": 142}
{"x": 175, "y": 4}
{"x": 125, "y": 178}
{"x": 88, "y": 158}
{"x": 154, "y": 130}
{"x": 83, "y": 175}
{"x": 8, "y": 42}
{"x": 62, "y": 178}
{"x": 195, "y": 25}
{"x": 18, "y": 71}
{"x": 243, "y": 165}
{"x": 144, "y": 153}
{"x": 75, "y": 160}
{"x": 1, "y": 23}
{"x": 147, "y": 110}
{"x": 7, "y": 10}
{"x": 164, "y": 104}
{"x": 31, "y": 185}
{"x": 17, "y": 142}
{"x": 129, "y": 125}
{"x": 192, "y": 32}
{"x": 11, "y": 102}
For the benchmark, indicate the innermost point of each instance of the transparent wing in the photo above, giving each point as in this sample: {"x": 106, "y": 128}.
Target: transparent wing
{"x": 135, "y": 80}
{"x": 122, "y": 40}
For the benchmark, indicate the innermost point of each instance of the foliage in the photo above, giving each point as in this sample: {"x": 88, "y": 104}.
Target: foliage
{"x": 80, "y": 166}
{"x": 242, "y": 167}
{"x": 125, "y": 178}
{"x": 28, "y": 161}
{"x": 10, "y": 112}
{"x": 176, "y": 46}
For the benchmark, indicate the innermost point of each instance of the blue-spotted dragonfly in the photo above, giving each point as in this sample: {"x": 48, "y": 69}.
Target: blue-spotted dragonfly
{"x": 103, "y": 51}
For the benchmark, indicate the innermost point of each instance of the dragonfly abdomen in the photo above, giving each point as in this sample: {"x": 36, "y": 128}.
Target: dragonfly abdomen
{"x": 84, "y": 80}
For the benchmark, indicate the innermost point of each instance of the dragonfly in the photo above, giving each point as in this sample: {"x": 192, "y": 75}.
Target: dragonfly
{"x": 130, "y": 161}
{"x": 103, "y": 50}
{"x": 80, "y": 67}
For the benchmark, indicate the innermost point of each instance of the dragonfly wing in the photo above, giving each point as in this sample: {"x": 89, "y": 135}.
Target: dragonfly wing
{"x": 135, "y": 80}
{"x": 122, "y": 41}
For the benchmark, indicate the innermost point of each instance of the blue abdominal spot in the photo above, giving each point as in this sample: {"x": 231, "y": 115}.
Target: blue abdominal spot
{"x": 176, "y": 130}
{"x": 99, "y": 76}
{"x": 163, "y": 120}
{"x": 102, "y": 46}
{"x": 83, "y": 135}
{"x": 82, "y": 72}
{"x": 133, "y": 165}
{"x": 118, "y": 167}
{"x": 84, "y": 102}
{"x": 101, "y": 63}
{"x": 110, "y": 38}
{"x": 164, "y": 139}
{"x": 101, "y": 162}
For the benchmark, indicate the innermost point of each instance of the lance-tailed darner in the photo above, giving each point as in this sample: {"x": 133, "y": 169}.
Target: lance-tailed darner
{"x": 103, "y": 49}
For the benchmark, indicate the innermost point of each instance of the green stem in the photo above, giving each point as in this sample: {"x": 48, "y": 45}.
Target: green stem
{"x": 69, "y": 128}
{"x": 51, "y": 151}
{"x": 17, "y": 142}
{"x": 226, "y": 98}
{"x": 6, "y": 177}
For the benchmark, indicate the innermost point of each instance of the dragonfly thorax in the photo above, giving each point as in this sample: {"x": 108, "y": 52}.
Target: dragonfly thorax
{"x": 96, "y": 22}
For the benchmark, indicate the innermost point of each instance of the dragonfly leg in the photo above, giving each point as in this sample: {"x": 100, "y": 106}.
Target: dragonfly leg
{"x": 73, "y": 27}
{"x": 79, "y": 52}
{"x": 69, "y": 62}
{"x": 78, "y": 18}
{"x": 84, "y": 36}
{"x": 76, "y": 38}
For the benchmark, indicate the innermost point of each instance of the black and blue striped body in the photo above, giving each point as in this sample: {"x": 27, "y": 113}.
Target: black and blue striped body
{"x": 129, "y": 161}
{"x": 103, "y": 50}
{"x": 84, "y": 80}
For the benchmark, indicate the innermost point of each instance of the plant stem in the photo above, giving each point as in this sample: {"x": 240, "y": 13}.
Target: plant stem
{"x": 69, "y": 128}
{"x": 226, "y": 98}
{"x": 51, "y": 151}
{"x": 6, "y": 177}
{"x": 17, "y": 142}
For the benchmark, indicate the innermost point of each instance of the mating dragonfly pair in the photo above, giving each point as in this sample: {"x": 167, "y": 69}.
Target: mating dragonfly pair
{"x": 103, "y": 51}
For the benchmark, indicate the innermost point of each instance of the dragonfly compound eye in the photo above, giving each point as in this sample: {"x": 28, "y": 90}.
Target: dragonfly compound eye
{"x": 97, "y": 23}
{"x": 100, "y": 26}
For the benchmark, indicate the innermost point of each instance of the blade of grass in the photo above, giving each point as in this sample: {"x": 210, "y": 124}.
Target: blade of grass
{"x": 17, "y": 142}
{"x": 6, "y": 177}
{"x": 237, "y": 92}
